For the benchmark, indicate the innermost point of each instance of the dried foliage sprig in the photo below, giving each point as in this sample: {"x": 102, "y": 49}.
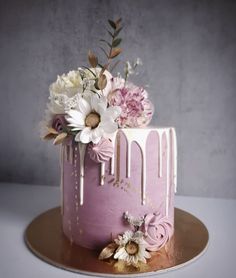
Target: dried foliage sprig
{"x": 112, "y": 52}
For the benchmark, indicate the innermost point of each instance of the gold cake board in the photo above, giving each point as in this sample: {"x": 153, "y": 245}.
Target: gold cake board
{"x": 45, "y": 239}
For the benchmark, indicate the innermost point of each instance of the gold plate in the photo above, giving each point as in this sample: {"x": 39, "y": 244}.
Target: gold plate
{"x": 45, "y": 238}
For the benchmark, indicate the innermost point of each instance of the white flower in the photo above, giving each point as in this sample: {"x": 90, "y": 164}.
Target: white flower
{"x": 67, "y": 84}
{"x": 93, "y": 119}
{"x": 131, "y": 248}
{"x": 65, "y": 90}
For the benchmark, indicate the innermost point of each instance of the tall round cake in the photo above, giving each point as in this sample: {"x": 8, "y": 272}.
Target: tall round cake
{"x": 118, "y": 175}
{"x": 139, "y": 178}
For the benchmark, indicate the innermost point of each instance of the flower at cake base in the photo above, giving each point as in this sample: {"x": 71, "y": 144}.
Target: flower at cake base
{"x": 92, "y": 119}
{"x": 102, "y": 151}
{"x": 136, "y": 108}
{"x": 157, "y": 231}
{"x": 131, "y": 248}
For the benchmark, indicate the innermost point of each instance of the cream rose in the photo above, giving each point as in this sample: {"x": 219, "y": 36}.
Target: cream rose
{"x": 157, "y": 231}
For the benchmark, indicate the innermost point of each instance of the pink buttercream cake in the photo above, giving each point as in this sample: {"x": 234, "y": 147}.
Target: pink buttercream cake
{"x": 139, "y": 179}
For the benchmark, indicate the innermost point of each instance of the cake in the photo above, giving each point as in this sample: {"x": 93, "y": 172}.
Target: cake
{"x": 118, "y": 174}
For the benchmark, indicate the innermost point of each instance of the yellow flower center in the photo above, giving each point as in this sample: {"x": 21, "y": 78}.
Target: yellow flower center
{"x": 131, "y": 248}
{"x": 92, "y": 120}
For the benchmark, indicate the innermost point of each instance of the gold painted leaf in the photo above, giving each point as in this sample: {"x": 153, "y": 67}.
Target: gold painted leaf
{"x": 108, "y": 251}
{"x": 102, "y": 81}
{"x": 60, "y": 138}
{"x": 93, "y": 60}
{"x": 49, "y": 136}
{"x": 52, "y": 130}
{"x": 115, "y": 52}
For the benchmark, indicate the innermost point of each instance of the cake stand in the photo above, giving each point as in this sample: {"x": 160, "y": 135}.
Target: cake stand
{"x": 45, "y": 238}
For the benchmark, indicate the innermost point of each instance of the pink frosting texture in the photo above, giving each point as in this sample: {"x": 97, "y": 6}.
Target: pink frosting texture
{"x": 157, "y": 231}
{"x": 102, "y": 151}
{"x": 100, "y": 218}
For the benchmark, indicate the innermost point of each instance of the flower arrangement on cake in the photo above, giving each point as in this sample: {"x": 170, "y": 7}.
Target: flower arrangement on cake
{"x": 86, "y": 107}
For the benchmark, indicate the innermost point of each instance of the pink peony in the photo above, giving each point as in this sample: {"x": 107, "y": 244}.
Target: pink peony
{"x": 102, "y": 151}
{"x": 137, "y": 110}
{"x": 157, "y": 231}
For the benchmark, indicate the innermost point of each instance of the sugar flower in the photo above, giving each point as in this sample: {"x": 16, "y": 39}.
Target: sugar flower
{"x": 137, "y": 110}
{"x": 68, "y": 87}
{"x": 131, "y": 248}
{"x": 92, "y": 119}
{"x": 157, "y": 231}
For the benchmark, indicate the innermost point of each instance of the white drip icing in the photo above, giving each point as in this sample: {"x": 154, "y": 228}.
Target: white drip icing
{"x": 128, "y": 159}
{"x": 82, "y": 148}
{"x": 62, "y": 150}
{"x": 174, "y": 158}
{"x": 112, "y": 168}
{"x": 102, "y": 175}
{"x": 140, "y": 137}
{"x": 168, "y": 161}
{"x": 160, "y": 134}
{"x": 71, "y": 154}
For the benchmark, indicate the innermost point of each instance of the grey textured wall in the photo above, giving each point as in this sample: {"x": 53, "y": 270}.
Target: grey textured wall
{"x": 189, "y": 54}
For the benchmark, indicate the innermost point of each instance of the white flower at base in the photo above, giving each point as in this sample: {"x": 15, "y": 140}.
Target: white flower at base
{"x": 92, "y": 119}
{"x": 131, "y": 248}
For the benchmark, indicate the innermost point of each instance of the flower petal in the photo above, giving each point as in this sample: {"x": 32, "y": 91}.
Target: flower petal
{"x": 109, "y": 126}
{"x": 102, "y": 105}
{"x": 85, "y": 135}
{"x": 113, "y": 112}
{"x": 94, "y": 102}
{"x": 84, "y": 106}
{"x": 75, "y": 117}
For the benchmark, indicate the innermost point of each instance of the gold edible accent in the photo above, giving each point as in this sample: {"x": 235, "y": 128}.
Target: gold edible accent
{"x": 188, "y": 243}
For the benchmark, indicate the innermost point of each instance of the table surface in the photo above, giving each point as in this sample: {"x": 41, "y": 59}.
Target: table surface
{"x": 19, "y": 204}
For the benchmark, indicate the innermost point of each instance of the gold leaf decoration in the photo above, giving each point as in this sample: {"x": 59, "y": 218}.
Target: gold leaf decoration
{"x": 60, "y": 138}
{"x": 115, "y": 52}
{"x": 108, "y": 251}
{"x": 52, "y": 130}
{"x": 93, "y": 60}
{"x": 102, "y": 81}
{"x": 49, "y": 136}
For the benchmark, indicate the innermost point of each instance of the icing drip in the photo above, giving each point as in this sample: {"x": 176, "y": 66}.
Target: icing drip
{"x": 62, "y": 150}
{"x": 144, "y": 176}
{"x": 160, "y": 154}
{"x": 71, "y": 153}
{"x": 174, "y": 158}
{"x": 118, "y": 157}
{"x": 140, "y": 137}
{"x": 112, "y": 167}
{"x": 102, "y": 175}
{"x": 76, "y": 179}
{"x": 128, "y": 159}
{"x": 167, "y": 170}
{"x": 82, "y": 148}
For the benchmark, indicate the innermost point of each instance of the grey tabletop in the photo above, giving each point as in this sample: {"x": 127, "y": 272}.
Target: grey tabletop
{"x": 19, "y": 204}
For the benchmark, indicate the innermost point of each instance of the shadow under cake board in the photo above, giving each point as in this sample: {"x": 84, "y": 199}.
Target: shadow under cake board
{"x": 45, "y": 238}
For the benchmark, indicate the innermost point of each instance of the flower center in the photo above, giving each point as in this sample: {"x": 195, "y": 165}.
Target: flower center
{"x": 92, "y": 120}
{"x": 131, "y": 248}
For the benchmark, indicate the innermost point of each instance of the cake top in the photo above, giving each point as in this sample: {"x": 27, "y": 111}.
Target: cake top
{"x": 89, "y": 104}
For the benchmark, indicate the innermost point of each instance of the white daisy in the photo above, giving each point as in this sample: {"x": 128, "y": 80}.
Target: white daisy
{"x": 131, "y": 248}
{"x": 92, "y": 118}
